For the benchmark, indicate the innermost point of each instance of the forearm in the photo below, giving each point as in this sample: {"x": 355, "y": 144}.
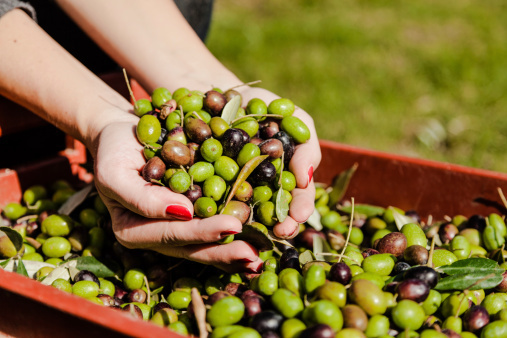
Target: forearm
{"x": 40, "y": 75}
{"x": 152, "y": 40}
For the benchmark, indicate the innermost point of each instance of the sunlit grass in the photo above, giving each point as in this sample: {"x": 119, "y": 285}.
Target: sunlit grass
{"x": 420, "y": 78}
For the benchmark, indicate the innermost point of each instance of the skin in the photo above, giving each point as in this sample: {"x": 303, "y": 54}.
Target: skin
{"x": 83, "y": 106}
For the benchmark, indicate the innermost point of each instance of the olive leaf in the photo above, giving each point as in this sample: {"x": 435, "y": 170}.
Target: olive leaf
{"x": 306, "y": 256}
{"x": 14, "y": 236}
{"x": 157, "y": 290}
{"x": 321, "y": 248}
{"x": 471, "y": 273}
{"x": 60, "y": 272}
{"x": 256, "y": 237}
{"x": 272, "y": 237}
{"x": 247, "y": 169}
{"x": 282, "y": 205}
{"x": 31, "y": 267}
{"x": 363, "y": 209}
{"x": 400, "y": 220}
{"x": 314, "y": 220}
{"x": 20, "y": 268}
{"x": 340, "y": 185}
{"x": 75, "y": 200}
{"x": 4, "y": 263}
{"x": 92, "y": 264}
{"x": 471, "y": 265}
{"x": 470, "y": 281}
{"x": 231, "y": 109}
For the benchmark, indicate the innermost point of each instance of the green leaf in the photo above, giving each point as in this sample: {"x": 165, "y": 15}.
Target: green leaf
{"x": 20, "y": 268}
{"x": 340, "y": 185}
{"x": 14, "y": 236}
{"x": 157, "y": 290}
{"x": 314, "y": 220}
{"x": 282, "y": 205}
{"x": 90, "y": 263}
{"x": 4, "y": 263}
{"x": 256, "y": 237}
{"x": 400, "y": 220}
{"x": 247, "y": 169}
{"x": 306, "y": 256}
{"x": 363, "y": 209}
{"x": 470, "y": 281}
{"x": 320, "y": 246}
{"x": 231, "y": 109}
{"x": 471, "y": 265}
{"x": 75, "y": 200}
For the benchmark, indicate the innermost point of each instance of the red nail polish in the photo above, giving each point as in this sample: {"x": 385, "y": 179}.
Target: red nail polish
{"x": 228, "y": 233}
{"x": 310, "y": 174}
{"x": 246, "y": 260}
{"x": 179, "y": 212}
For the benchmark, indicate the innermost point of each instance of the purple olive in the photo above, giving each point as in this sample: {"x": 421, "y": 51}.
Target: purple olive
{"x": 413, "y": 289}
{"x": 154, "y": 169}
{"x": 340, "y": 272}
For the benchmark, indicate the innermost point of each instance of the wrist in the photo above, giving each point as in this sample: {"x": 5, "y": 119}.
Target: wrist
{"x": 102, "y": 117}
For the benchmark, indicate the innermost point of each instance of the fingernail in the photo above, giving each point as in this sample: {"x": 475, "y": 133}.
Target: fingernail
{"x": 179, "y": 212}
{"x": 257, "y": 269}
{"x": 310, "y": 174}
{"x": 247, "y": 260}
{"x": 228, "y": 233}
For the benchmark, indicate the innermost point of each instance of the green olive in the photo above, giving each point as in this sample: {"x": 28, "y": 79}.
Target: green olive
{"x": 211, "y": 150}
{"x": 205, "y": 207}
{"x": 246, "y": 153}
{"x": 407, "y": 314}
{"x": 57, "y": 225}
{"x": 287, "y": 303}
{"x": 281, "y": 106}
{"x": 200, "y": 171}
{"x": 160, "y": 96}
{"x": 323, "y": 312}
{"x": 180, "y": 182}
{"x": 56, "y": 247}
{"x": 295, "y": 128}
{"x": 85, "y": 289}
{"x": 142, "y": 106}
{"x": 226, "y": 168}
{"x": 148, "y": 129}
{"x": 226, "y": 311}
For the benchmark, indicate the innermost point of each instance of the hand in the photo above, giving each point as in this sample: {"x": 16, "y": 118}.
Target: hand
{"x": 148, "y": 216}
{"x": 305, "y": 160}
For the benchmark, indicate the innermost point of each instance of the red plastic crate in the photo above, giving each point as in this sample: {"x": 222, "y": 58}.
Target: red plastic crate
{"x": 431, "y": 188}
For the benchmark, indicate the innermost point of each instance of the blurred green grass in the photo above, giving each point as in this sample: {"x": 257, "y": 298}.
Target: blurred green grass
{"x": 425, "y": 79}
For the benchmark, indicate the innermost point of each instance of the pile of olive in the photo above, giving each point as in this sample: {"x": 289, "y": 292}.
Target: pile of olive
{"x": 197, "y": 144}
{"x": 370, "y": 276}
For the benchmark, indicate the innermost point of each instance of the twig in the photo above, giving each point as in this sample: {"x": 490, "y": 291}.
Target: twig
{"x": 350, "y": 230}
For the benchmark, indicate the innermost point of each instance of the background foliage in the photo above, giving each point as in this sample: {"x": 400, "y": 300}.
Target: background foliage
{"x": 420, "y": 78}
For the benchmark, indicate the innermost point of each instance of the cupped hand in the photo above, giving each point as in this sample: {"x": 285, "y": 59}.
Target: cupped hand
{"x": 304, "y": 162}
{"x": 148, "y": 216}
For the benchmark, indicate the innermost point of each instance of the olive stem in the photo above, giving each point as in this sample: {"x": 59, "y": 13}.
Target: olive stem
{"x": 175, "y": 265}
{"x": 430, "y": 255}
{"x": 256, "y": 115}
{"x": 181, "y": 115}
{"x": 197, "y": 115}
{"x": 148, "y": 291}
{"x": 146, "y": 145}
{"x": 245, "y": 84}
{"x": 128, "y": 86}
{"x": 465, "y": 292}
{"x": 25, "y": 218}
{"x": 502, "y": 197}
{"x": 350, "y": 230}
{"x": 281, "y": 171}
{"x": 199, "y": 312}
